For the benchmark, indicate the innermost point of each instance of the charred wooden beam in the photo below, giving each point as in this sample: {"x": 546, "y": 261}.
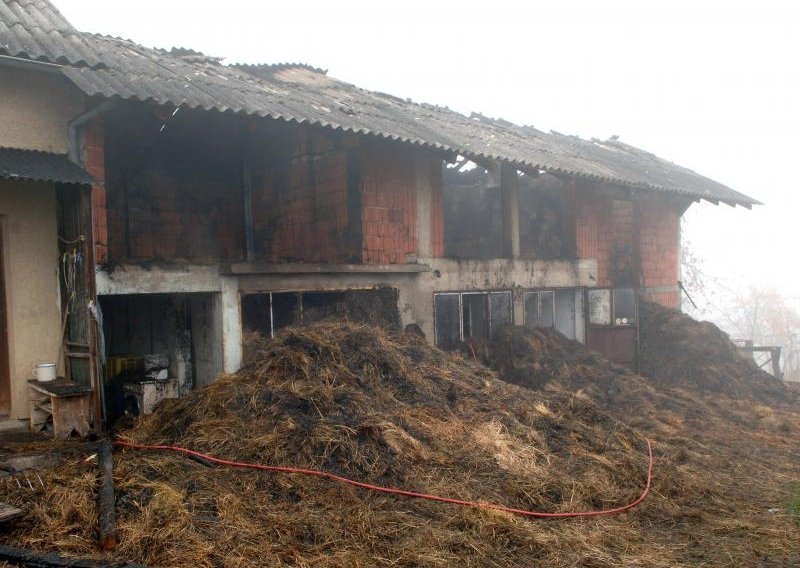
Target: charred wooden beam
{"x": 32, "y": 559}
{"x": 107, "y": 520}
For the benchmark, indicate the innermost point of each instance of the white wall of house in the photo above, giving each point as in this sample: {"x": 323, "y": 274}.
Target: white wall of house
{"x": 28, "y": 222}
{"x": 36, "y": 109}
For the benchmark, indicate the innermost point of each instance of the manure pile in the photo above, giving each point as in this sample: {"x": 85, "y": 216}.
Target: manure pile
{"x": 676, "y": 350}
{"x": 388, "y": 409}
{"x": 377, "y": 407}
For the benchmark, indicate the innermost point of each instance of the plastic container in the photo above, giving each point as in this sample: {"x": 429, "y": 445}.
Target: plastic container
{"x": 45, "y": 372}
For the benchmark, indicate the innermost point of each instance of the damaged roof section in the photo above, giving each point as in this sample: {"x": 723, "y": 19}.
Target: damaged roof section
{"x": 305, "y": 95}
{"x": 116, "y": 68}
{"x": 35, "y": 29}
{"x": 40, "y": 166}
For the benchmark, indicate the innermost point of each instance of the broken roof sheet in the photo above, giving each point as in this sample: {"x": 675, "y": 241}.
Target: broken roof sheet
{"x": 35, "y": 29}
{"x": 32, "y": 165}
{"x": 302, "y": 94}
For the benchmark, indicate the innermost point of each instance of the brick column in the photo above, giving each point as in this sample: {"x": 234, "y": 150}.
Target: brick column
{"x": 509, "y": 188}
{"x": 93, "y": 159}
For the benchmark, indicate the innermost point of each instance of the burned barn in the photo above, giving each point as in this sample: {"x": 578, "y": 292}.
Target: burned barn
{"x": 232, "y": 201}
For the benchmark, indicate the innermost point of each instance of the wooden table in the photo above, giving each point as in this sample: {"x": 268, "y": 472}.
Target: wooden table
{"x": 66, "y": 402}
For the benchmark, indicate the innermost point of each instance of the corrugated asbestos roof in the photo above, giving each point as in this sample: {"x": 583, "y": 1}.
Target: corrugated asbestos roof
{"x": 120, "y": 68}
{"x": 302, "y": 94}
{"x": 35, "y": 29}
{"x": 40, "y": 166}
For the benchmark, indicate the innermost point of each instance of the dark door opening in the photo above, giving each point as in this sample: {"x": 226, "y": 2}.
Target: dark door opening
{"x": 5, "y": 366}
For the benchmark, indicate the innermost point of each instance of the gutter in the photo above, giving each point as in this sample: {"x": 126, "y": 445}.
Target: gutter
{"x": 30, "y": 64}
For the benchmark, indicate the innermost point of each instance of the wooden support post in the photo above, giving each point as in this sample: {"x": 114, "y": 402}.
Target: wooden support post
{"x": 509, "y": 188}
{"x": 424, "y": 205}
{"x": 107, "y": 521}
{"x": 247, "y": 199}
{"x": 776, "y": 363}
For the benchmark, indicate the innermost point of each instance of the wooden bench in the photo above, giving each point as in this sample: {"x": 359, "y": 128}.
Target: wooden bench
{"x": 66, "y": 402}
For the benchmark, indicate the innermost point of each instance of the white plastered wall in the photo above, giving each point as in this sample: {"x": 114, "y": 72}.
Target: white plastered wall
{"x": 28, "y": 220}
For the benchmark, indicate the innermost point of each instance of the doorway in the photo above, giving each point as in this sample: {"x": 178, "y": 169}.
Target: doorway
{"x": 5, "y": 366}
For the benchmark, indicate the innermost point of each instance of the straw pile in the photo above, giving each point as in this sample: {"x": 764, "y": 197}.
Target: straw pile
{"x": 388, "y": 409}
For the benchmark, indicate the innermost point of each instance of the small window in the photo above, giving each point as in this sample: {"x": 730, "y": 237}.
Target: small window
{"x": 460, "y": 315}
{"x": 256, "y": 314}
{"x": 447, "y": 320}
{"x": 547, "y": 309}
{"x": 566, "y": 313}
{"x": 500, "y": 310}
{"x": 600, "y": 307}
{"x": 475, "y": 311}
{"x": 624, "y": 306}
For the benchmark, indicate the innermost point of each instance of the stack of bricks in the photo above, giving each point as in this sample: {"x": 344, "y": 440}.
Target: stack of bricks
{"x": 93, "y": 159}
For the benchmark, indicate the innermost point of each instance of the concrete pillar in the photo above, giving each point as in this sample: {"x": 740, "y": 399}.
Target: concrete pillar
{"x": 509, "y": 188}
{"x": 231, "y": 325}
{"x": 424, "y": 196}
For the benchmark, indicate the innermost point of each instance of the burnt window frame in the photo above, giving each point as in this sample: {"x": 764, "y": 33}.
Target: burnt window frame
{"x": 460, "y": 294}
{"x": 612, "y": 307}
{"x": 538, "y": 293}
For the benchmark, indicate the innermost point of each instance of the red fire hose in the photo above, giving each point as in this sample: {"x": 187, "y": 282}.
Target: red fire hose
{"x": 402, "y": 492}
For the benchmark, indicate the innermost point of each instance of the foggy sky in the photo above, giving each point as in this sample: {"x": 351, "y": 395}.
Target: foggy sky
{"x": 713, "y": 85}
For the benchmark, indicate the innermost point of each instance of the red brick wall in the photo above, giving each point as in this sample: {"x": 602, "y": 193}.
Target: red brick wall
{"x": 300, "y": 199}
{"x": 594, "y": 235}
{"x": 658, "y": 224}
{"x": 388, "y": 194}
{"x": 93, "y": 158}
{"x": 173, "y": 194}
{"x": 623, "y": 258}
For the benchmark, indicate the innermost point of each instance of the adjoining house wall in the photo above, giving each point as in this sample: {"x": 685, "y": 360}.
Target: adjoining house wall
{"x": 36, "y": 109}
{"x": 28, "y": 220}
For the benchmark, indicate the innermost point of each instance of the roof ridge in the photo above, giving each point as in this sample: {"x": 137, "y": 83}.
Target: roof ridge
{"x": 279, "y": 66}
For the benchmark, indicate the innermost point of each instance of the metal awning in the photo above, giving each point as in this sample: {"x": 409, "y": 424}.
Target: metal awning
{"x": 32, "y": 165}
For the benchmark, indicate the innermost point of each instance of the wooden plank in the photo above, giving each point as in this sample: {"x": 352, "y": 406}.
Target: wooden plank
{"x": 7, "y": 512}
{"x": 106, "y": 518}
{"x": 70, "y": 414}
{"x": 23, "y": 557}
{"x": 59, "y": 388}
